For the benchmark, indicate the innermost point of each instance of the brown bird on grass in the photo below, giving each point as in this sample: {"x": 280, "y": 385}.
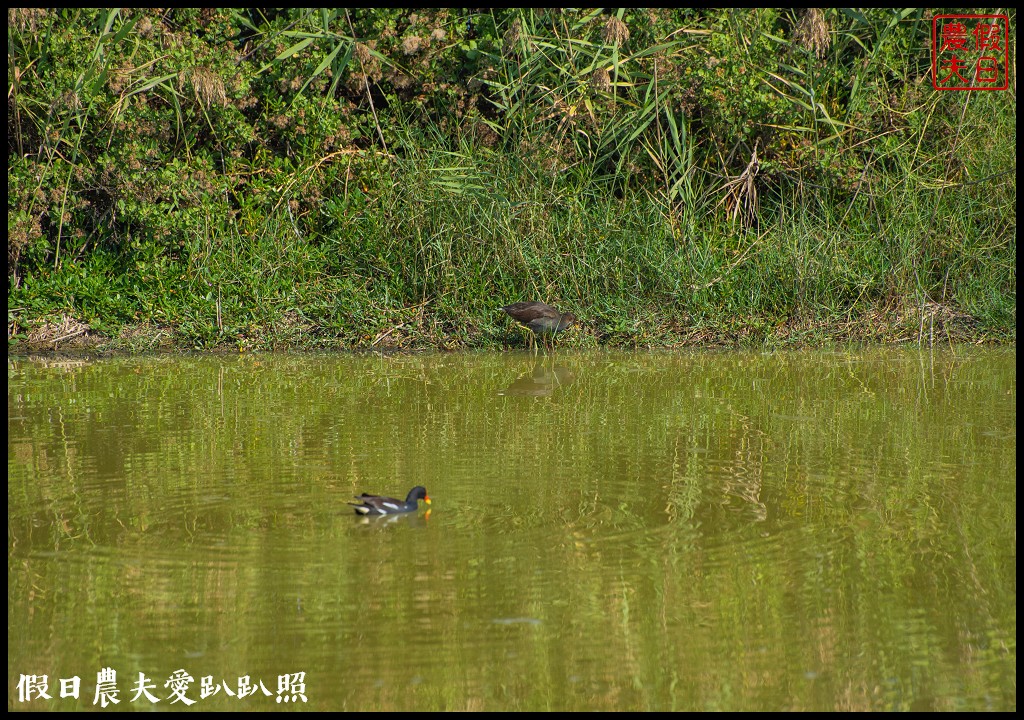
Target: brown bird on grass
{"x": 544, "y": 320}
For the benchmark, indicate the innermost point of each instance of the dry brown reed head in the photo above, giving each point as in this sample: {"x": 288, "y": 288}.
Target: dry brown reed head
{"x": 600, "y": 80}
{"x": 615, "y": 31}
{"x": 813, "y": 33}
{"x": 208, "y": 87}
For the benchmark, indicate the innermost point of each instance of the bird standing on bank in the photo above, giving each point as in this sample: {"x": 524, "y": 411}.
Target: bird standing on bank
{"x": 544, "y": 320}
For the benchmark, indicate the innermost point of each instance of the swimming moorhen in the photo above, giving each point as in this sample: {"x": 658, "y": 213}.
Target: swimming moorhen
{"x": 378, "y": 505}
{"x": 540, "y": 317}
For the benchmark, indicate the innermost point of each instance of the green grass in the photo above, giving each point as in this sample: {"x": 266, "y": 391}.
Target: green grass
{"x": 215, "y": 180}
{"x": 431, "y": 260}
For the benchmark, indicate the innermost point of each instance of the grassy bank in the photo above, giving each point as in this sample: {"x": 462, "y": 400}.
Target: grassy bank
{"x": 389, "y": 180}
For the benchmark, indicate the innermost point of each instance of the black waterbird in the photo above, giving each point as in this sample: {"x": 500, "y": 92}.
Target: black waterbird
{"x": 377, "y": 505}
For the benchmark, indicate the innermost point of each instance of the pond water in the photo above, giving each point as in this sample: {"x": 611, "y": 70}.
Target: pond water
{"x": 658, "y": 531}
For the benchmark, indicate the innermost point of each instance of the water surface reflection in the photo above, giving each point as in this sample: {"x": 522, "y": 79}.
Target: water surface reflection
{"x": 542, "y": 381}
{"x": 737, "y": 531}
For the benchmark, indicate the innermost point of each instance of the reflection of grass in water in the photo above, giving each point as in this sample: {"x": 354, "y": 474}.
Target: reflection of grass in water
{"x": 598, "y": 547}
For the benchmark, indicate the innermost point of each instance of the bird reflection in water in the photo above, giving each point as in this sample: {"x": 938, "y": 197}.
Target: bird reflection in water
{"x": 542, "y": 381}
{"x": 406, "y": 519}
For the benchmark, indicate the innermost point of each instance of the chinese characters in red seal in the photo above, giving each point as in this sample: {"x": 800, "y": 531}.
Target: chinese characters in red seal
{"x": 970, "y": 52}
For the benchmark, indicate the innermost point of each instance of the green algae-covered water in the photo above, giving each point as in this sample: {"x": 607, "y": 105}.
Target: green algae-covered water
{"x": 729, "y": 531}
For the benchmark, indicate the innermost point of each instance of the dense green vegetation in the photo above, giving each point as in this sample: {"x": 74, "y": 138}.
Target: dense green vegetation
{"x": 389, "y": 178}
